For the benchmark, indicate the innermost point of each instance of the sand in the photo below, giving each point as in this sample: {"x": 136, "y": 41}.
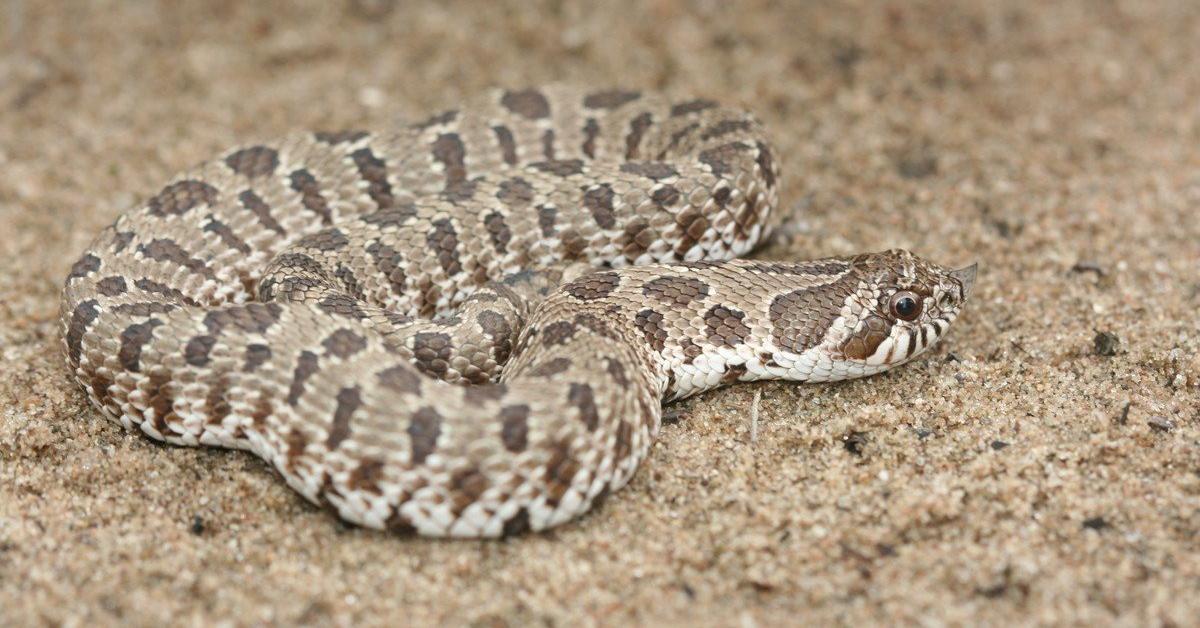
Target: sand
{"x": 1019, "y": 472}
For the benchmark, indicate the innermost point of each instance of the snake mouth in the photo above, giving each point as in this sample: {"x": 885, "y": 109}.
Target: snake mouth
{"x": 966, "y": 277}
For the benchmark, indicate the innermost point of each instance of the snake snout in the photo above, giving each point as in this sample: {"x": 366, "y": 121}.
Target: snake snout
{"x": 966, "y": 277}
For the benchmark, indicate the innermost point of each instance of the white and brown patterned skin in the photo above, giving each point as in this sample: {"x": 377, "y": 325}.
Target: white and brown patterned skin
{"x": 302, "y": 298}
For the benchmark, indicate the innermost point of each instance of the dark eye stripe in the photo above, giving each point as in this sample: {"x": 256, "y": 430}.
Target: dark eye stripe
{"x": 912, "y": 344}
{"x": 924, "y": 337}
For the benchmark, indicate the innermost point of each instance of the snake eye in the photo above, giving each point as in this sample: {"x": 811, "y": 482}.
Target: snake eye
{"x": 905, "y": 306}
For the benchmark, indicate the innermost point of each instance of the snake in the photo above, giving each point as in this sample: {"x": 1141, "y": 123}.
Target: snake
{"x": 467, "y": 326}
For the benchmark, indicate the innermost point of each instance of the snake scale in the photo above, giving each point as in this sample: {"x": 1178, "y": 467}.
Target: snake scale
{"x": 467, "y": 326}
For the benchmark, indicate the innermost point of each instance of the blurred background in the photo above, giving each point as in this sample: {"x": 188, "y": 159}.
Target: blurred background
{"x": 1043, "y": 464}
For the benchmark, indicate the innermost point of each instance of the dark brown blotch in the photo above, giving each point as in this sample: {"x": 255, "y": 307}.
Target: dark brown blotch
{"x": 348, "y": 400}
{"x": 366, "y": 476}
{"x": 725, "y": 127}
{"x": 262, "y": 212}
{"x": 168, "y": 251}
{"x": 495, "y": 325}
{"x": 517, "y": 524}
{"x": 551, "y": 367}
{"x": 443, "y": 242}
{"x": 800, "y": 319}
{"x": 557, "y": 333}
{"x": 342, "y": 305}
{"x": 256, "y": 356}
{"x": 255, "y": 161}
{"x": 305, "y": 183}
{"x": 196, "y": 351}
{"x": 637, "y": 238}
{"x": 674, "y": 291}
{"x": 432, "y": 352}
{"x": 390, "y": 263}
{"x": 331, "y": 239}
{"x": 339, "y": 137}
{"x": 423, "y": 430}
{"x": 349, "y": 282}
{"x": 616, "y": 370}
{"x": 733, "y": 373}
{"x": 306, "y": 366}
{"x": 508, "y": 145}
{"x": 515, "y": 193}
{"x": 401, "y": 379}
{"x": 594, "y": 324}
{"x": 665, "y": 195}
{"x": 143, "y": 309}
{"x": 559, "y": 167}
{"x": 85, "y": 266}
{"x": 637, "y": 130}
{"x": 527, "y": 103}
{"x": 391, "y": 217}
{"x": 498, "y": 231}
{"x": 82, "y": 318}
{"x": 467, "y": 486}
{"x": 720, "y": 159}
{"x": 655, "y": 170}
{"x": 547, "y": 215}
{"x": 650, "y": 323}
{"x": 725, "y": 327}
{"x": 344, "y": 343}
{"x": 598, "y": 200}
{"x": 582, "y": 397}
{"x": 560, "y": 471}
{"x": 591, "y": 130}
{"x": 766, "y": 164}
{"x": 112, "y": 286}
{"x": 227, "y": 236}
{"x": 133, "y": 338}
{"x": 181, "y": 197}
{"x": 610, "y": 98}
{"x": 373, "y": 170}
{"x": 866, "y": 339}
{"x": 592, "y": 286}
{"x": 121, "y": 240}
{"x": 691, "y": 106}
{"x": 514, "y": 428}
{"x": 624, "y": 444}
{"x": 449, "y": 150}
{"x": 154, "y": 287}
{"x": 445, "y": 117}
{"x": 254, "y": 318}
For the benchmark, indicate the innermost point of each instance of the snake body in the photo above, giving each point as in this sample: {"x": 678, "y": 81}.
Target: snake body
{"x": 466, "y": 326}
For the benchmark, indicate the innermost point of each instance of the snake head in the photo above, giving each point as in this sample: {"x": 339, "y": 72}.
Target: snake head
{"x": 903, "y": 306}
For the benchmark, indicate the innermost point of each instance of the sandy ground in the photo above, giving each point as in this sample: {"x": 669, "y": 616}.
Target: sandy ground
{"x": 1015, "y": 473}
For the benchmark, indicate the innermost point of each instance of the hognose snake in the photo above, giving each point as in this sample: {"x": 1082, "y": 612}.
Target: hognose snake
{"x": 559, "y": 252}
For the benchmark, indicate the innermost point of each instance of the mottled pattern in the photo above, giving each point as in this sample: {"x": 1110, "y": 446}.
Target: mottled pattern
{"x": 466, "y": 326}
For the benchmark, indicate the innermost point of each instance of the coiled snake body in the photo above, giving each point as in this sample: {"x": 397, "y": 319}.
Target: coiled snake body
{"x": 557, "y": 252}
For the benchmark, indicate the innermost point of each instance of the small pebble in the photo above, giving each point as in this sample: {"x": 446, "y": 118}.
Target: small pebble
{"x": 855, "y": 442}
{"x": 1161, "y": 424}
{"x": 1095, "y": 523}
{"x": 197, "y": 525}
{"x": 1123, "y": 417}
{"x": 1089, "y": 267}
{"x": 1106, "y": 343}
{"x": 917, "y": 164}
{"x": 999, "y": 444}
